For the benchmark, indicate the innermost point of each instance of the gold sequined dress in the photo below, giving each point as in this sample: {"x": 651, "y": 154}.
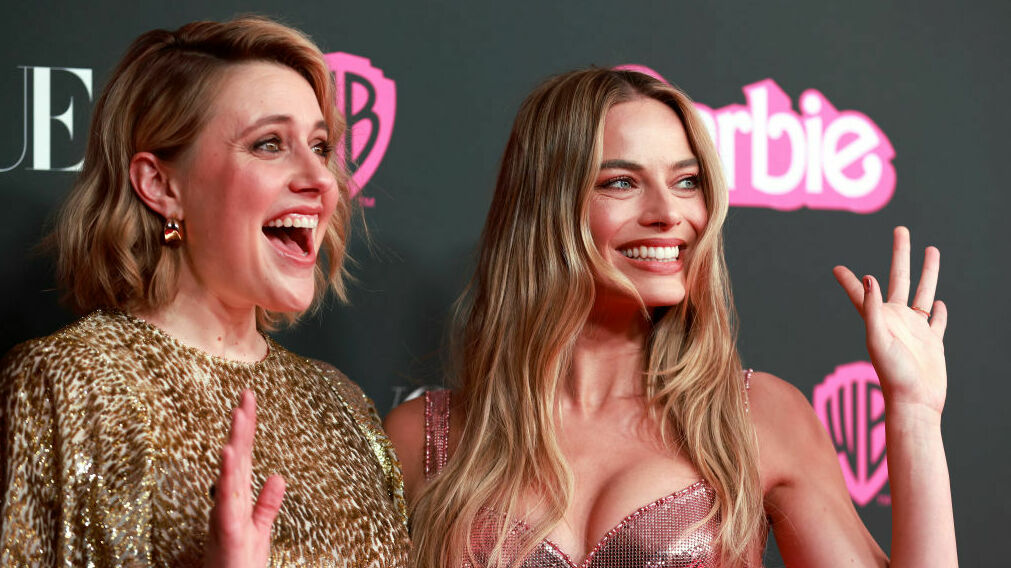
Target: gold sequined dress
{"x": 110, "y": 437}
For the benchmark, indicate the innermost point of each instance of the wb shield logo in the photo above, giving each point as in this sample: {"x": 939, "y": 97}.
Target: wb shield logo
{"x": 850, "y": 404}
{"x": 368, "y": 101}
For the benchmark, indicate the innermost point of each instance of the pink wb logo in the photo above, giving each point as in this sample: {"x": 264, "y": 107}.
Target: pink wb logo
{"x": 368, "y": 102}
{"x": 850, "y": 405}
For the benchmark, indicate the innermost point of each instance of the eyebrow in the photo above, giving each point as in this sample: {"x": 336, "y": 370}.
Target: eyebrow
{"x": 635, "y": 166}
{"x": 279, "y": 119}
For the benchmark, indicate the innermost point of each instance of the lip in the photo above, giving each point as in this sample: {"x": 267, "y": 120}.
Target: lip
{"x": 305, "y": 210}
{"x": 653, "y": 243}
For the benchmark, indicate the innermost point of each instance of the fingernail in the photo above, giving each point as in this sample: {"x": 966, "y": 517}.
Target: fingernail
{"x": 867, "y": 283}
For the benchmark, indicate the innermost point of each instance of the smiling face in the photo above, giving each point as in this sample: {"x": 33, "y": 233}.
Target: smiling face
{"x": 647, "y": 209}
{"x": 255, "y": 191}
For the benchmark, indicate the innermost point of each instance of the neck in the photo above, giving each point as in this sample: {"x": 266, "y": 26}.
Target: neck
{"x": 198, "y": 319}
{"x": 607, "y": 359}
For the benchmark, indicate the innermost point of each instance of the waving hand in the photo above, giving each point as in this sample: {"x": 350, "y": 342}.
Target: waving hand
{"x": 904, "y": 339}
{"x": 240, "y": 530}
{"x": 905, "y": 343}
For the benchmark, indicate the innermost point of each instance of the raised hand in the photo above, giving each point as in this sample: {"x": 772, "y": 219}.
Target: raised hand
{"x": 904, "y": 341}
{"x": 239, "y": 533}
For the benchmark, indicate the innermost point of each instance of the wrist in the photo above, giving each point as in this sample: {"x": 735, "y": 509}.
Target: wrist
{"x": 912, "y": 416}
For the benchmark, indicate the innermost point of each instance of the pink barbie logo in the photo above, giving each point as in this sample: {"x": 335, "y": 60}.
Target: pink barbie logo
{"x": 368, "y": 101}
{"x": 820, "y": 158}
{"x": 850, "y": 405}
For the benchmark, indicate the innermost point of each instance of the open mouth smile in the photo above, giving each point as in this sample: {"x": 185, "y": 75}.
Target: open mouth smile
{"x": 658, "y": 254}
{"x": 293, "y": 234}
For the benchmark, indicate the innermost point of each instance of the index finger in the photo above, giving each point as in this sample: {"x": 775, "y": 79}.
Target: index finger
{"x": 854, "y": 288}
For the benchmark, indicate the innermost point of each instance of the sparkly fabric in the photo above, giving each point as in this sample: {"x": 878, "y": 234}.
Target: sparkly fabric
{"x": 670, "y": 532}
{"x": 110, "y": 437}
{"x": 747, "y": 388}
{"x": 436, "y": 431}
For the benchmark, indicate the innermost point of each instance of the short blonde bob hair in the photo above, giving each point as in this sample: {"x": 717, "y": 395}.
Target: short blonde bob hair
{"x": 108, "y": 243}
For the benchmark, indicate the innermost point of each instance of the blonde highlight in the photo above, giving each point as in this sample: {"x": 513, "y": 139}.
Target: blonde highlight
{"x": 529, "y": 299}
{"x": 107, "y": 243}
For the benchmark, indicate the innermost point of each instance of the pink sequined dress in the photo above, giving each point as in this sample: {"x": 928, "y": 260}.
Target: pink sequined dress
{"x": 663, "y": 534}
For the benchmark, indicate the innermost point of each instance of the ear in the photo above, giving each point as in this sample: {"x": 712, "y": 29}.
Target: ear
{"x": 151, "y": 182}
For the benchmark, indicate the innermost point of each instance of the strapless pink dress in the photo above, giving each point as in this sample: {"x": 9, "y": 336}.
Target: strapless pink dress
{"x": 663, "y": 534}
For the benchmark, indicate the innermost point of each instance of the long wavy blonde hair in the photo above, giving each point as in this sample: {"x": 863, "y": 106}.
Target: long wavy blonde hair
{"x": 527, "y": 303}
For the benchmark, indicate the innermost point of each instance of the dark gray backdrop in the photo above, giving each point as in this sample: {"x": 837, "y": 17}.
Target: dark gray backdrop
{"x": 931, "y": 75}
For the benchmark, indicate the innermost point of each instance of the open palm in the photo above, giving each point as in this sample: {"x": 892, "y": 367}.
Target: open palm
{"x": 240, "y": 530}
{"x": 905, "y": 342}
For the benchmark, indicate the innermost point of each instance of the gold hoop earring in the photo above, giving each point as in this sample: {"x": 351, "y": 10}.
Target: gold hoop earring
{"x": 173, "y": 233}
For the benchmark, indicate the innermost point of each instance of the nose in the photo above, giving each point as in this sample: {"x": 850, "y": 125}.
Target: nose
{"x": 311, "y": 172}
{"x": 661, "y": 208}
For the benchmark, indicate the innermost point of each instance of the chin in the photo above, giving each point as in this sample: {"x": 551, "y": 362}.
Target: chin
{"x": 661, "y": 305}
{"x": 291, "y": 302}
{"x": 663, "y": 300}
{"x": 660, "y": 293}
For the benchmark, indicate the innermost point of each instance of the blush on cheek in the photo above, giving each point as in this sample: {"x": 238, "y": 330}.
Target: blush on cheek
{"x": 700, "y": 219}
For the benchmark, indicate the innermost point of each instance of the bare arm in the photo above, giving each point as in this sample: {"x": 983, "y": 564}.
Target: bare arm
{"x": 813, "y": 518}
{"x": 906, "y": 348}
{"x": 405, "y": 425}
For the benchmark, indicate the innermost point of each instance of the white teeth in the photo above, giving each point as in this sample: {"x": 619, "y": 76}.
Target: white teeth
{"x": 663, "y": 254}
{"x": 293, "y": 220}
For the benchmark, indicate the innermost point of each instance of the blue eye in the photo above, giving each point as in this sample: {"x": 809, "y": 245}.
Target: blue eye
{"x": 617, "y": 183}
{"x": 690, "y": 182}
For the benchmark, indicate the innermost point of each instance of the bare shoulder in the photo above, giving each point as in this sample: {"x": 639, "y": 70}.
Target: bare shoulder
{"x": 789, "y": 433}
{"x": 405, "y": 425}
{"x": 774, "y": 400}
{"x": 804, "y": 492}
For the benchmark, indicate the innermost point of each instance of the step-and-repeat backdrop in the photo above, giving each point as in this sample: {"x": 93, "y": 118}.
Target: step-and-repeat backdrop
{"x": 835, "y": 122}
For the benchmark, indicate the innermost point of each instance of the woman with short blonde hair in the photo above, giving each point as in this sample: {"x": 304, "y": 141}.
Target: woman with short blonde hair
{"x": 209, "y": 204}
{"x": 109, "y": 243}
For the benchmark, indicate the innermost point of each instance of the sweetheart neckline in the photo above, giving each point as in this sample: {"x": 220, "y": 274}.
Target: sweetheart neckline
{"x": 588, "y": 559}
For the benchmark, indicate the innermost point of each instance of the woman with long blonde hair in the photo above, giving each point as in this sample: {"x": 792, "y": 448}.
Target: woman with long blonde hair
{"x": 597, "y": 370}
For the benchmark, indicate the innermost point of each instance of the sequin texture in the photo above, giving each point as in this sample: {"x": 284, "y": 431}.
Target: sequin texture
{"x": 671, "y": 532}
{"x": 111, "y": 435}
{"x": 436, "y": 431}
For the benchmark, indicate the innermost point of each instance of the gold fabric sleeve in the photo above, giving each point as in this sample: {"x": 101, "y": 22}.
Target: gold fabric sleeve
{"x": 371, "y": 425}
{"x": 111, "y": 433}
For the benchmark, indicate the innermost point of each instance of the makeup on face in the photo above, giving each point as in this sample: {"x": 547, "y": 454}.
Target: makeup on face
{"x": 648, "y": 208}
